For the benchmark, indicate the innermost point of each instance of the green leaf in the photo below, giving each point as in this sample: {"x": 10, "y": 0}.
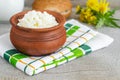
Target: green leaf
{"x": 107, "y": 23}
{"x": 100, "y": 23}
{"x": 115, "y": 24}
{"x": 109, "y": 13}
{"x": 114, "y": 19}
{"x": 111, "y": 23}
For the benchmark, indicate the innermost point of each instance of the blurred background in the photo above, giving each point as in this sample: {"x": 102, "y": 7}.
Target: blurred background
{"x": 113, "y": 3}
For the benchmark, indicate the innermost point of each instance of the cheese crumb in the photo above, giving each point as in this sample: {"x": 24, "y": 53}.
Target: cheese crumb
{"x": 36, "y": 19}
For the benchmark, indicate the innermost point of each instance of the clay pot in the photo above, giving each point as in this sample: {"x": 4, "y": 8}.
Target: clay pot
{"x": 62, "y": 6}
{"x": 37, "y": 42}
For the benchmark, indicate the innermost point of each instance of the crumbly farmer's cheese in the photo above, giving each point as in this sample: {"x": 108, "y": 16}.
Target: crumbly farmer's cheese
{"x": 34, "y": 19}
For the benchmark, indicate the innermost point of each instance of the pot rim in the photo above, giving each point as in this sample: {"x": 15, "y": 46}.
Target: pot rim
{"x": 60, "y": 19}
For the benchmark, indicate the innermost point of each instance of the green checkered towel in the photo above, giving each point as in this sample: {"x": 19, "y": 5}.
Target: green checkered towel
{"x": 81, "y": 40}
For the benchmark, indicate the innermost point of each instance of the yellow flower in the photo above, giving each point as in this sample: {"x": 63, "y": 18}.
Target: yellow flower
{"x": 82, "y": 19}
{"x": 86, "y": 15}
{"x": 103, "y": 6}
{"x": 93, "y": 4}
{"x": 96, "y": 13}
{"x": 78, "y": 8}
{"x": 92, "y": 19}
{"x": 86, "y": 11}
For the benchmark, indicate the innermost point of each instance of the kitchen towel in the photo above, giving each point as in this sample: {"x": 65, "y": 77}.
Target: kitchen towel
{"x": 81, "y": 40}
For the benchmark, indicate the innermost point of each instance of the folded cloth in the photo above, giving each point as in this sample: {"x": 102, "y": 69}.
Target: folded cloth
{"x": 75, "y": 46}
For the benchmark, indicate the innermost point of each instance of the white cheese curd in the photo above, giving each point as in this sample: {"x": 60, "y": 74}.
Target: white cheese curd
{"x": 35, "y": 19}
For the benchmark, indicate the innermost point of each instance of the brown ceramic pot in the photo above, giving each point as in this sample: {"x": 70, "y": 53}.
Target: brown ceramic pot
{"x": 37, "y": 42}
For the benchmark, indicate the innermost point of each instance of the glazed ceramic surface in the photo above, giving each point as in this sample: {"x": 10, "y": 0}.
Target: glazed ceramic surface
{"x": 38, "y": 41}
